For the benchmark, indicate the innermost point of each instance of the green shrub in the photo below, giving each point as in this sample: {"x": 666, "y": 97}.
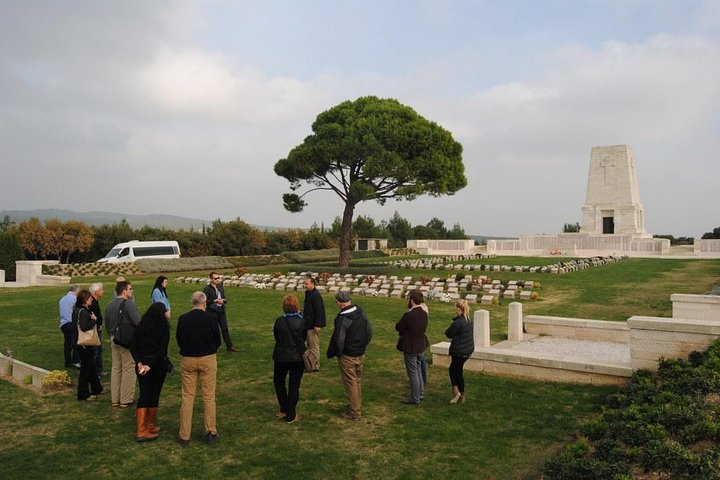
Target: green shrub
{"x": 257, "y": 260}
{"x": 183, "y": 264}
{"x": 665, "y": 423}
{"x": 367, "y": 254}
{"x": 10, "y": 251}
{"x": 312, "y": 256}
{"x": 369, "y": 269}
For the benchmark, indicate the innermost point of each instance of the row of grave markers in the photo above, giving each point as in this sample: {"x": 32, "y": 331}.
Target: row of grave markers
{"x": 488, "y": 291}
{"x": 441, "y": 263}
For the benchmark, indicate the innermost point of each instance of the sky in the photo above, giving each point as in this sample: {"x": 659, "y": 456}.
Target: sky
{"x": 183, "y": 107}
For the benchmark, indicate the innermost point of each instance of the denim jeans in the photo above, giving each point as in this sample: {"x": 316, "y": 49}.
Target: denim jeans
{"x": 413, "y": 368}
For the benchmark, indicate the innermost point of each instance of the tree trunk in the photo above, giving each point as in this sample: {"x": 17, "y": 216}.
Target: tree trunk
{"x": 346, "y": 234}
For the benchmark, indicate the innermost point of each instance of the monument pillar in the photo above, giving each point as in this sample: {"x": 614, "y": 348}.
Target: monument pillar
{"x": 612, "y": 203}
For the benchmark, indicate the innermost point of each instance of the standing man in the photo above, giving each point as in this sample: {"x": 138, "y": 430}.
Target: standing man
{"x": 198, "y": 337}
{"x": 216, "y": 301}
{"x": 350, "y": 338}
{"x": 122, "y": 311}
{"x": 96, "y": 291}
{"x": 314, "y": 313}
{"x": 68, "y": 329}
{"x": 411, "y": 328}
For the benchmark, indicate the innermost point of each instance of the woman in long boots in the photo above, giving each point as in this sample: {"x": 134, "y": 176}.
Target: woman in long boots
{"x": 149, "y": 350}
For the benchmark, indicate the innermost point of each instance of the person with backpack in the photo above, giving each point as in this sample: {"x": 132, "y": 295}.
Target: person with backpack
{"x": 121, "y": 318}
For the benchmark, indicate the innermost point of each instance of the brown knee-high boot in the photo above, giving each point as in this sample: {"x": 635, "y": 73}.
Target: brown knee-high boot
{"x": 152, "y": 420}
{"x": 143, "y": 435}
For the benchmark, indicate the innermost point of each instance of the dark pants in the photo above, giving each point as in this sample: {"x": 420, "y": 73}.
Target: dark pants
{"x": 151, "y": 385}
{"x": 70, "y": 334}
{"x": 222, "y": 321}
{"x": 88, "y": 374}
{"x": 288, "y": 397}
{"x": 456, "y": 372}
{"x": 97, "y": 355}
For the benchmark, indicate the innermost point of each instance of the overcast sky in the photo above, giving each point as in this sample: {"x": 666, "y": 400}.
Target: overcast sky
{"x": 183, "y": 107}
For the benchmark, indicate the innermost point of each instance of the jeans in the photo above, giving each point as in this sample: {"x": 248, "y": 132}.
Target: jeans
{"x": 70, "y": 339}
{"x": 413, "y": 368}
{"x": 456, "y": 372}
{"x": 98, "y": 354}
{"x": 151, "y": 385}
{"x": 88, "y": 374}
{"x": 288, "y": 396}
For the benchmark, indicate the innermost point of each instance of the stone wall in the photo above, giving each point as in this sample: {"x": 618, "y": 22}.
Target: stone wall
{"x": 442, "y": 247}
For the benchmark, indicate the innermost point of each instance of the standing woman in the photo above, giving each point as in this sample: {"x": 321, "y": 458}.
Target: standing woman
{"x": 461, "y": 347}
{"x": 149, "y": 348}
{"x": 86, "y": 320}
{"x": 159, "y": 293}
{"x": 289, "y": 332}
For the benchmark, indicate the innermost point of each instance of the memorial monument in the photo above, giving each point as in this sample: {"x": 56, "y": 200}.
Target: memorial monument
{"x": 613, "y": 220}
{"x": 612, "y": 202}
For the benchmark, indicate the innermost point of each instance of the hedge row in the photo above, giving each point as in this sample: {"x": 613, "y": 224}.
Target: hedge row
{"x": 257, "y": 260}
{"x": 664, "y": 424}
{"x": 183, "y": 264}
{"x": 91, "y": 269}
{"x": 370, "y": 269}
{"x": 312, "y": 256}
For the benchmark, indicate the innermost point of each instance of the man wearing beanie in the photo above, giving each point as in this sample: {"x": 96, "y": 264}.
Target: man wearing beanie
{"x": 350, "y": 338}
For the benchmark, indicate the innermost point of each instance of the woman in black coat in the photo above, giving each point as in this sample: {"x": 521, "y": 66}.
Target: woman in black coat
{"x": 149, "y": 348}
{"x": 289, "y": 332}
{"x": 461, "y": 347}
{"x": 85, "y": 319}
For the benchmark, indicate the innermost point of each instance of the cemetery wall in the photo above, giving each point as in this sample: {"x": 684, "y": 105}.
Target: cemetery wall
{"x": 579, "y": 244}
{"x": 707, "y": 246}
{"x": 442, "y": 247}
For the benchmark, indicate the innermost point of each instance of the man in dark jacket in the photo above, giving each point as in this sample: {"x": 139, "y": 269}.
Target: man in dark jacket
{"x": 314, "y": 313}
{"x": 198, "y": 337}
{"x": 350, "y": 338}
{"x": 216, "y": 301}
{"x": 411, "y": 328}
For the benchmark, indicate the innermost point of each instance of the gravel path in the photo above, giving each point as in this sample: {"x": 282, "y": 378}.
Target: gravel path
{"x": 586, "y": 349}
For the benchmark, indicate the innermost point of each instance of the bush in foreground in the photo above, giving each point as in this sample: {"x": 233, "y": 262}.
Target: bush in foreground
{"x": 664, "y": 424}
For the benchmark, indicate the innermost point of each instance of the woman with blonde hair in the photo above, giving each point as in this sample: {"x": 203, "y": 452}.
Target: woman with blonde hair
{"x": 462, "y": 345}
{"x": 289, "y": 332}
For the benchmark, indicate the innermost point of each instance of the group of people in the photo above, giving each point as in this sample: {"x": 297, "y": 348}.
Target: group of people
{"x": 352, "y": 333}
{"x": 139, "y": 346}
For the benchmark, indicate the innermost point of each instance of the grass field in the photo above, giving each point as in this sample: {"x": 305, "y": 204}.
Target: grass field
{"x": 507, "y": 429}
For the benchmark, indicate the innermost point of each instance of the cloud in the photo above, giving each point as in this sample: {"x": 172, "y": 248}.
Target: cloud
{"x": 171, "y": 123}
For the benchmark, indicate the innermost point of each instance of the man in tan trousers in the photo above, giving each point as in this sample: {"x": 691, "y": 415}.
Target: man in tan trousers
{"x": 350, "y": 338}
{"x": 122, "y": 310}
{"x": 198, "y": 336}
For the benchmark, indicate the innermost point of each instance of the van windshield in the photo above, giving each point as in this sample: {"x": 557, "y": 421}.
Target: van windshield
{"x": 112, "y": 253}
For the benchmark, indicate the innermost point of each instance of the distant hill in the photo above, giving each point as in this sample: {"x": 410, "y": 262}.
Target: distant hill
{"x": 171, "y": 222}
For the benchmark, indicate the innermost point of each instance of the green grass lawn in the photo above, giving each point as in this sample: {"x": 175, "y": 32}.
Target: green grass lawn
{"x": 506, "y": 430}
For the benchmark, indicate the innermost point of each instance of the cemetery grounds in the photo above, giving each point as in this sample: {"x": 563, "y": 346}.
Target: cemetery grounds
{"x": 507, "y": 429}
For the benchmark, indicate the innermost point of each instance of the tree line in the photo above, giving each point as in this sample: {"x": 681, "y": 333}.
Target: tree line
{"x": 75, "y": 241}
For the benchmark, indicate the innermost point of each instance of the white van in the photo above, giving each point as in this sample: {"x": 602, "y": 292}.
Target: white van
{"x": 135, "y": 250}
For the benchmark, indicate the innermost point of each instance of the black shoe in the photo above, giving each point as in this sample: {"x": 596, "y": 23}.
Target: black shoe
{"x": 211, "y": 438}
{"x": 410, "y": 402}
{"x": 232, "y": 349}
{"x": 183, "y": 443}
